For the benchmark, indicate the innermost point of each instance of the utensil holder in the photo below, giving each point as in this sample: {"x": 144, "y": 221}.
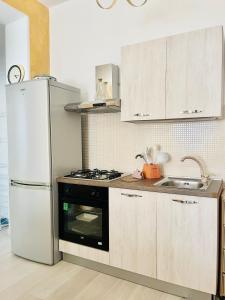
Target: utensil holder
{"x": 151, "y": 171}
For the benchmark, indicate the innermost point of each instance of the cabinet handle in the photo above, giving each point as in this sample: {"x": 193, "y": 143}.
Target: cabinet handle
{"x": 141, "y": 115}
{"x": 131, "y": 195}
{"x": 195, "y": 111}
{"x": 184, "y": 201}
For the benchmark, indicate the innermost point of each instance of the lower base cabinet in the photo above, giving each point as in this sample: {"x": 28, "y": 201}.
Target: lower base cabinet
{"x": 173, "y": 238}
{"x": 187, "y": 241}
{"x": 132, "y": 231}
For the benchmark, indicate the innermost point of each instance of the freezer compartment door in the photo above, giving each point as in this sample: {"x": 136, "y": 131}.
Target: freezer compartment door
{"x": 28, "y": 131}
{"x": 31, "y": 223}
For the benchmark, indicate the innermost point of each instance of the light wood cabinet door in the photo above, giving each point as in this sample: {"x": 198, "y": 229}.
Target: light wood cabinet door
{"x": 194, "y": 74}
{"x": 132, "y": 231}
{"x": 187, "y": 241}
{"x": 143, "y": 70}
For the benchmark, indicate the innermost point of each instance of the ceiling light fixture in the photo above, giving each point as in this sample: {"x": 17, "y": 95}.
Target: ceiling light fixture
{"x": 131, "y": 2}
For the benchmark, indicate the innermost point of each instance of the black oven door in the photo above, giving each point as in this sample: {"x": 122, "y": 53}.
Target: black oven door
{"x": 83, "y": 215}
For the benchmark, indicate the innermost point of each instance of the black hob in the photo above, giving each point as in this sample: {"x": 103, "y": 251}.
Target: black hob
{"x": 95, "y": 174}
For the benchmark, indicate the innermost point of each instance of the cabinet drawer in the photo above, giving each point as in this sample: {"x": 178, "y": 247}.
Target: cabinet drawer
{"x": 84, "y": 252}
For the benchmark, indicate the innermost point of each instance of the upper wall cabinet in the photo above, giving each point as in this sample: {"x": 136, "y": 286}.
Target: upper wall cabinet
{"x": 143, "y": 70}
{"x": 194, "y": 74}
{"x": 179, "y": 77}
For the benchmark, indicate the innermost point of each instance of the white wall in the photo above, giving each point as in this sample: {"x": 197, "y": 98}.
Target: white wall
{"x": 83, "y": 35}
{"x": 8, "y": 13}
{"x": 3, "y": 137}
{"x": 14, "y": 49}
{"x": 50, "y": 3}
{"x": 17, "y": 44}
{"x": 2, "y": 69}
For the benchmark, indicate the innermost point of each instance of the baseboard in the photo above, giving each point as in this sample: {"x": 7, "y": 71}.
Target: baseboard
{"x": 138, "y": 279}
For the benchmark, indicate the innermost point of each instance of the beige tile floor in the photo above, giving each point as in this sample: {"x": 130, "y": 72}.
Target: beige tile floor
{"x": 25, "y": 280}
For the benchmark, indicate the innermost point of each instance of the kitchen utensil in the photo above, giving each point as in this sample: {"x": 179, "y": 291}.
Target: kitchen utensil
{"x": 162, "y": 157}
{"x": 145, "y": 157}
{"x": 141, "y": 156}
{"x": 148, "y": 155}
{"x": 156, "y": 149}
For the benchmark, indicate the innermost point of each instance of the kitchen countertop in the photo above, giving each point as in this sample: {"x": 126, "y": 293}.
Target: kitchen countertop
{"x": 214, "y": 190}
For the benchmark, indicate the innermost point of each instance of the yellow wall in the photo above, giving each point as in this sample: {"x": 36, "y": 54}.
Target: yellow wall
{"x": 39, "y": 33}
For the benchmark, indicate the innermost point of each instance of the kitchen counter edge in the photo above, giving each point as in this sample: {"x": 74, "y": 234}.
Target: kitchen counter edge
{"x": 213, "y": 191}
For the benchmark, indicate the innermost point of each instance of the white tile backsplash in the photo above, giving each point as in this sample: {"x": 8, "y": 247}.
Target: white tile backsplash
{"x": 109, "y": 143}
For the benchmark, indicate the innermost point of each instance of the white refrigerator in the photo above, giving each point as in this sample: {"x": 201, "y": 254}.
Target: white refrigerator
{"x": 44, "y": 142}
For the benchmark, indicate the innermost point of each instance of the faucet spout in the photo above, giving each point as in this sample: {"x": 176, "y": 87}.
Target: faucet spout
{"x": 204, "y": 174}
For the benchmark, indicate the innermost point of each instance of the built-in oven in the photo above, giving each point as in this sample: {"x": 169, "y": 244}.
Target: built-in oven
{"x": 84, "y": 215}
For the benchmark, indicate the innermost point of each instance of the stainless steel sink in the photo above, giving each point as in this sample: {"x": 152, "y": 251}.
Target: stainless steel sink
{"x": 183, "y": 183}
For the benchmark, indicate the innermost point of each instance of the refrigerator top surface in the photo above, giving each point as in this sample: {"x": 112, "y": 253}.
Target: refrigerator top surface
{"x": 50, "y": 82}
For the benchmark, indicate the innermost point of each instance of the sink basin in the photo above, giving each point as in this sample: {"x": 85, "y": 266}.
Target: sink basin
{"x": 182, "y": 183}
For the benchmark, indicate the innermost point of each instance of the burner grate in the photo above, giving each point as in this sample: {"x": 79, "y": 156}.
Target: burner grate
{"x": 95, "y": 174}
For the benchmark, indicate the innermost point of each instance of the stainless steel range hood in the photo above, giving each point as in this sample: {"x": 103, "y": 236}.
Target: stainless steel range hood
{"x": 94, "y": 107}
{"x": 107, "y": 93}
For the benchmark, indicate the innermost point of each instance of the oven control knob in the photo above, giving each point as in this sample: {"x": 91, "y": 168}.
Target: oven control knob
{"x": 67, "y": 190}
{"x": 93, "y": 194}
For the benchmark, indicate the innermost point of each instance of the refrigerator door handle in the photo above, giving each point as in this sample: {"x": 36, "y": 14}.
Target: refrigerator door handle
{"x": 30, "y": 185}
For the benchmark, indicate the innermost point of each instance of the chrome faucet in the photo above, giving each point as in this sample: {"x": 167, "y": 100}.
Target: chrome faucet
{"x": 204, "y": 174}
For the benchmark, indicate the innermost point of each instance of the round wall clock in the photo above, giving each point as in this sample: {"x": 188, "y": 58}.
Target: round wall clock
{"x": 16, "y": 74}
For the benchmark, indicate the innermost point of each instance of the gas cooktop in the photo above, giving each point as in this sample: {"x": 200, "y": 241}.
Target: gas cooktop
{"x": 95, "y": 174}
